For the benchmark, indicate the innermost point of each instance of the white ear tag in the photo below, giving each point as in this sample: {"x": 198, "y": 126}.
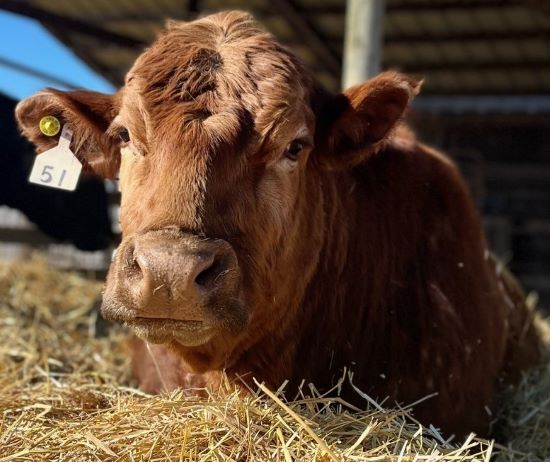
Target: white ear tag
{"x": 58, "y": 167}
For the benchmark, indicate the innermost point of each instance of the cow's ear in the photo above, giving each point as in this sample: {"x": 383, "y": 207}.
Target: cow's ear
{"x": 87, "y": 113}
{"x": 356, "y": 123}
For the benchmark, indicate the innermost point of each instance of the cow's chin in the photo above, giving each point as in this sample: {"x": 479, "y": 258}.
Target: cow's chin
{"x": 185, "y": 333}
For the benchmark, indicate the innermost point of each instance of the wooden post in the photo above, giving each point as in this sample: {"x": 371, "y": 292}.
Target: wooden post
{"x": 363, "y": 40}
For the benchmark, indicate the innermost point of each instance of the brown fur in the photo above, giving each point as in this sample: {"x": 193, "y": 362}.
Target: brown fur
{"x": 366, "y": 252}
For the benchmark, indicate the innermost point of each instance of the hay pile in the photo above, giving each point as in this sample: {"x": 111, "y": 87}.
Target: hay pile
{"x": 524, "y": 418}
{"x": 65, "y": 395}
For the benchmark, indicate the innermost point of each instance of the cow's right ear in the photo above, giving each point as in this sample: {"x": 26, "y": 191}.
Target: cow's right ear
{"x": 87, "y": 113}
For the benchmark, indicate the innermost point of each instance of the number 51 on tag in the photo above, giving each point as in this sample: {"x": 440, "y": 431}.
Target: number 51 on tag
{"x": 57, "y": 168}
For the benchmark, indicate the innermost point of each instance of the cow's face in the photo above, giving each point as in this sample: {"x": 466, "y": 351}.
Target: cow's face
{"x": 218, "y": 139}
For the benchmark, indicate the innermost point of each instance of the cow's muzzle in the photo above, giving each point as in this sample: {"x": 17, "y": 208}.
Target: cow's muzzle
{"x": 169, "y": 286}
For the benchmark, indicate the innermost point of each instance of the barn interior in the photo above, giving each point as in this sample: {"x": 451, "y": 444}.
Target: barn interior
{"x": 485, "y": 101}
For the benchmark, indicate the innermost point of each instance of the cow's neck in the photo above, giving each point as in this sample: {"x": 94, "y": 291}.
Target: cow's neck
{"x": 358, "y": 277}
{"x": 330, "y": 240}
{"x": 333, "y": 324}
{"x": 344, "y": 274}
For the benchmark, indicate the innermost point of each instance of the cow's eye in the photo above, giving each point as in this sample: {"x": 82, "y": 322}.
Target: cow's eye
{"x": 293, "y": 150}
{"x": 123, "y": 135}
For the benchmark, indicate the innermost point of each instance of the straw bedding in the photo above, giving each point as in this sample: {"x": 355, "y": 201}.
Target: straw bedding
{"x": 66, "y": 395}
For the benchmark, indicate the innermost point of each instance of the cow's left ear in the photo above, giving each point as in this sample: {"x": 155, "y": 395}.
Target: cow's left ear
{"x": 87, "y": 113}
{"x": 356, "y": 123}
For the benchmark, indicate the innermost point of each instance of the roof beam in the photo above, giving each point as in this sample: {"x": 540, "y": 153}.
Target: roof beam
{"x": 473, "y": 66}
{"x": 483, "y": 104}
{"x": 483, "y": 36}
{"x": 308, "y": 33}
{"x": 323, "y": 8}
{"x": 76, "y": 25}
{"x": 416, "y": 6}
{"x": 541, "y": 5}
{"x": 420, "y": 6}
{"x": 312, "y": 9}
{"x": 481, "y": 91}
{"x": 405, "y": 6}
{"x": 408, "y": 40}
{"x": 35, "y": 73}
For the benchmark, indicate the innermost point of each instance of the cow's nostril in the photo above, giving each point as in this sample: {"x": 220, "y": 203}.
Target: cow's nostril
{"x": 208, "y": 276}
{"x": 133, "y": 268}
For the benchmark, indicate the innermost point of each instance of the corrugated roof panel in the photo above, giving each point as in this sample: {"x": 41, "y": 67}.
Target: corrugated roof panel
{"x": 519, "y": 18}
{"x": 544, "y": 80}
{"x": 403, "y": 23}
{"x": 457, "y": 22}
{"x": 327, "y": 80}
{"x": 432, "y": 81}
{"x": 324, "y": 3}
{"x": 330, "y": 25}
{"x": 280, "y": 27}
{"x": 396, "y": 55}
{"x": 142, "y": 30}
{"x": 304, "y": 53}
{"x": 505, "y": 51}
{"x": 540, "y": 19}
{"x": 453, "y": 51}
{"x": 471, "y": 81}
{"x": 77, "y": 8}
{"x": 427, "y": 52}
{"x": 248, "y": 5}
{"x": 115, "y": 56}
{"x": 441, "y": 81}
{"x": 478, "y": 52}
{"x": 522, "y": 79}
{"x": 534, "y": 50}
{"x": 499, "y": 80}
{"x": 454, "y": 47}
{"x": 486, "y": 19}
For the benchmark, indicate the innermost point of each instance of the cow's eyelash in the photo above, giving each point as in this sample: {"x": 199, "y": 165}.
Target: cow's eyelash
{"x": 119, "y": 134}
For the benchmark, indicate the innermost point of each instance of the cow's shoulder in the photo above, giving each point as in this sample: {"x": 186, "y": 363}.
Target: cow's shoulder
{"x": 405, "y": 152}
{"x": 412, "y": 174}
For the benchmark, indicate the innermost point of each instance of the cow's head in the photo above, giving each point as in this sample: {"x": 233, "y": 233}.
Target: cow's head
{"x": 221, "y": 142}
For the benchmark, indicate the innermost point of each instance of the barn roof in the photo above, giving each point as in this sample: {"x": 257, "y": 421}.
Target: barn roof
{"x": 461, "y": 47}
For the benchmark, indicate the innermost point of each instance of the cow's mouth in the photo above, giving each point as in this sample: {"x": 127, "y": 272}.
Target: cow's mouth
{"x": 186, "y": 333}
{"x": 177, "y": 288}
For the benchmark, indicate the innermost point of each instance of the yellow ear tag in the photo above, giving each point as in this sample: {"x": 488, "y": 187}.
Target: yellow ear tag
{"x": 49, "y": 125}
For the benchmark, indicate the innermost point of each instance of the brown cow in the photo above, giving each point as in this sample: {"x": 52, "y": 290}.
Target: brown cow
{"x": 274, "y": 230}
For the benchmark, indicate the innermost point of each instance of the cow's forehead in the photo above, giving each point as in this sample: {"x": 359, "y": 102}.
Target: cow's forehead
{"x": 218, "y": 60}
